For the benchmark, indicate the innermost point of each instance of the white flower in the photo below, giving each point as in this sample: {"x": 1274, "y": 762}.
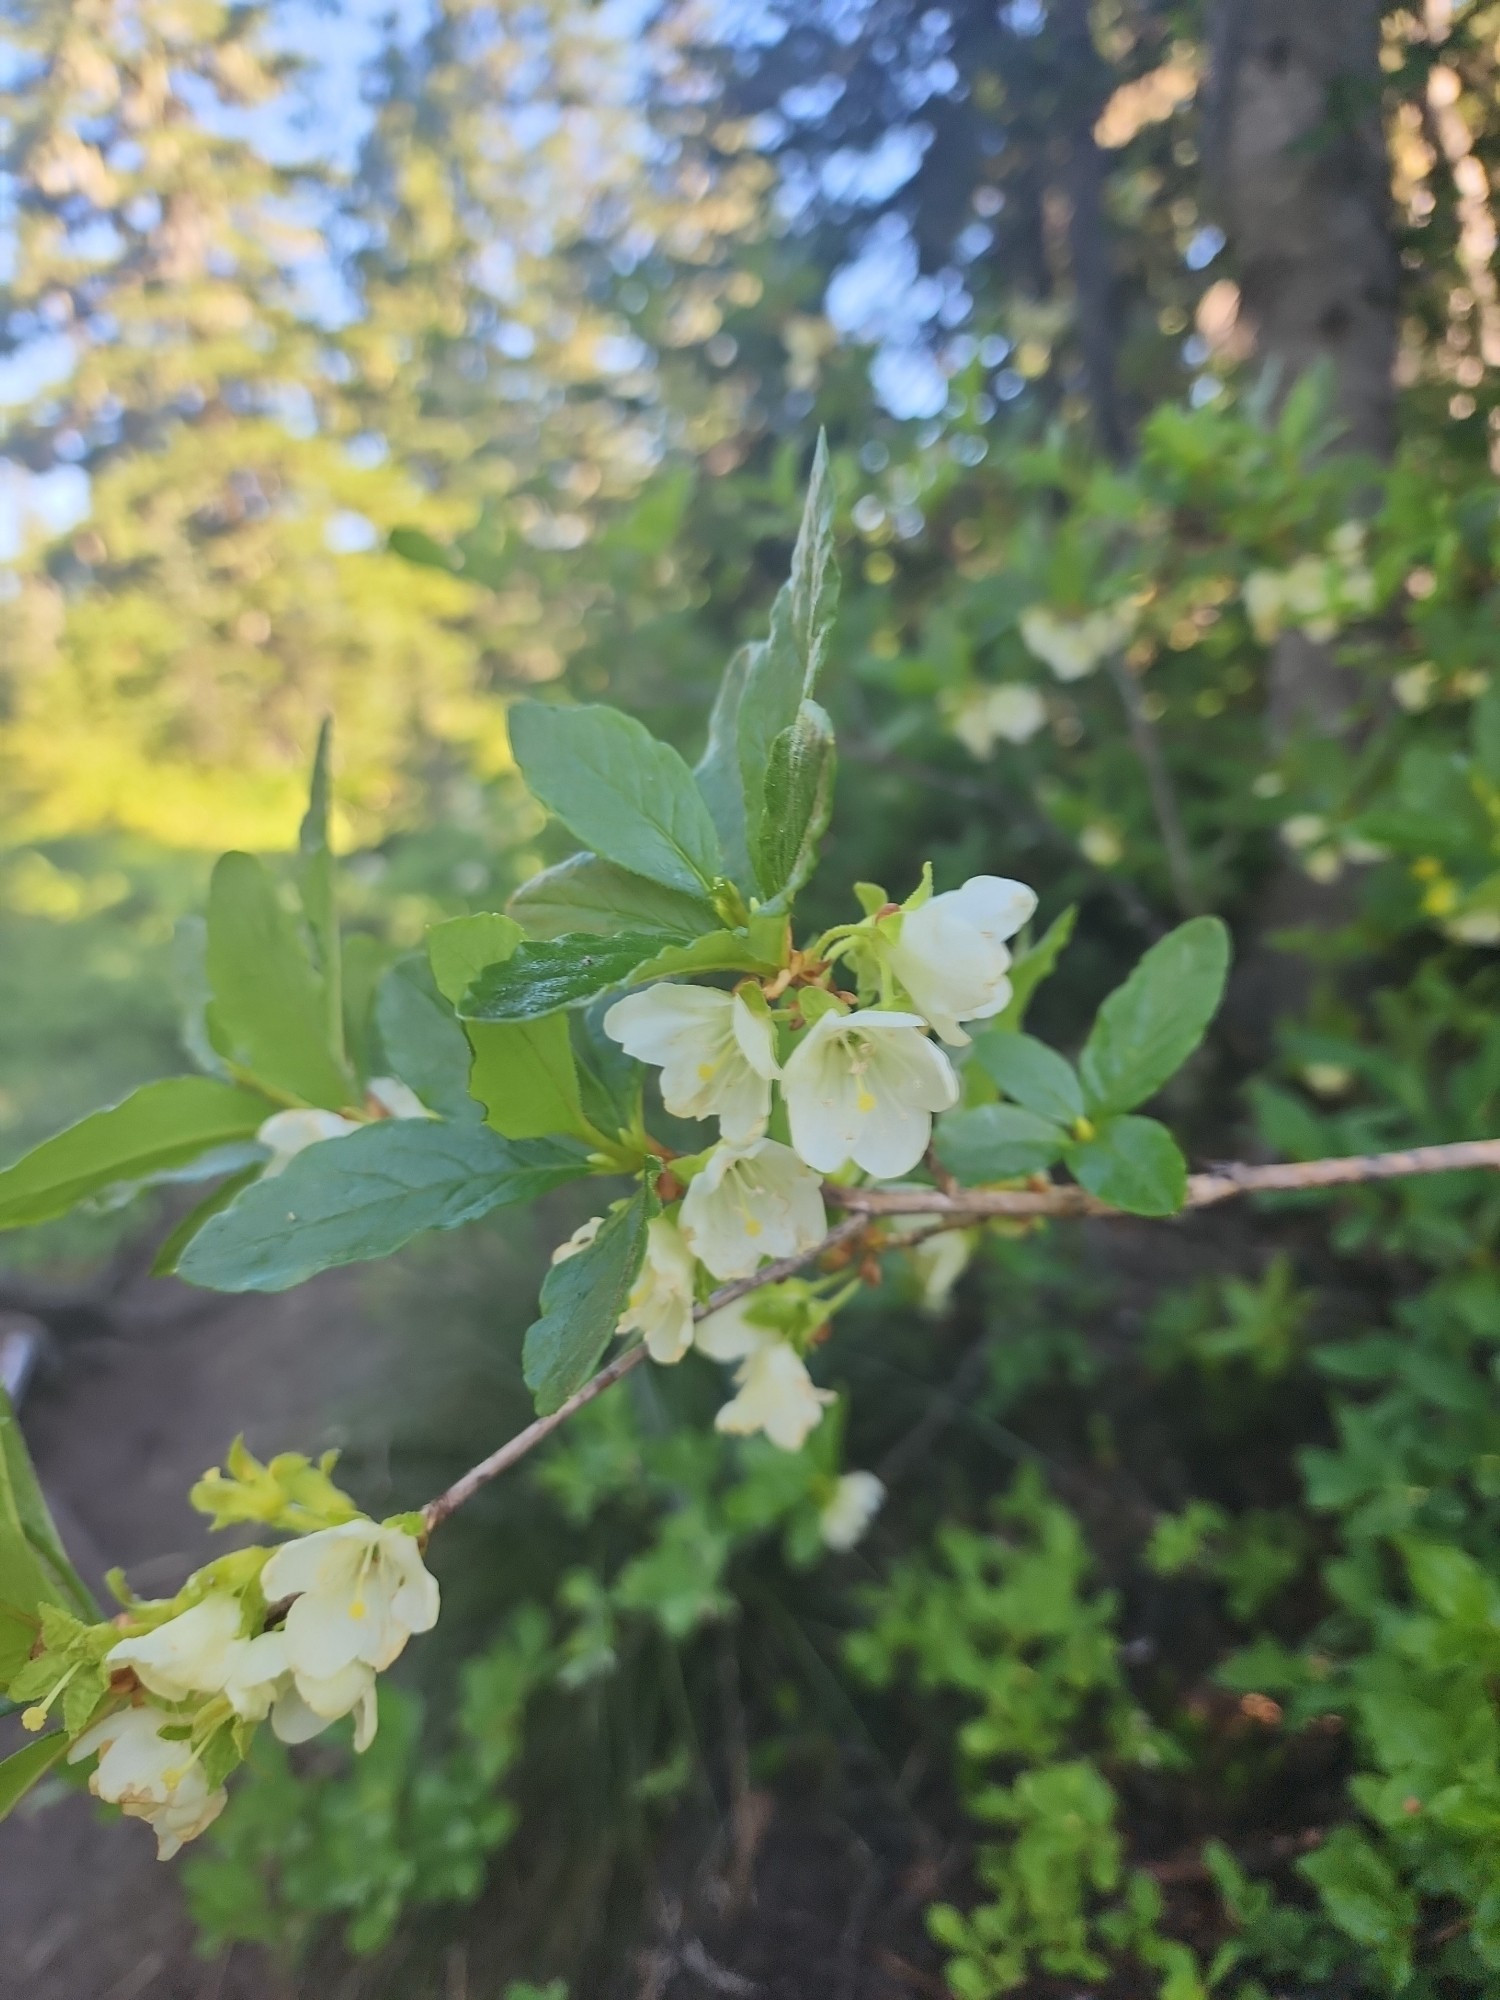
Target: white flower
{"x": 716, "y": 1054}
{"x": 150, "y": 1778}
{"x": 190, "y": 1654}
{"x": 857, "y": 1499}
{"x": 288, "y": 1133}
{"x": 751, "y": 1202}
{"x": 1073, "y": 647}
{"x": 950, "y": 954}
{"x": 1475, "y": 927}
{"x": 864, "y": 1087}
{"x": 263, "y": 1681}
{"x": 581, "y": 1238}
{"x": 1415, "y": 687}
{"x": 982, "y": 716}
{"x": 1264, "y": 603}
{"x": 395, "y": 1098}
{"x": 660, "y": 1306}
{"x": 776, "y": 1395}
{"x": 361, "y": 1591}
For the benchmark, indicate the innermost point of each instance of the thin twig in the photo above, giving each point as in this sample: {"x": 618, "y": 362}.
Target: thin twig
{"x": 1283, "y": 1177}
{"x": 1163, "y": 793}
{"x": 970, "y": 1205}
{"x": 516, "y": 1448}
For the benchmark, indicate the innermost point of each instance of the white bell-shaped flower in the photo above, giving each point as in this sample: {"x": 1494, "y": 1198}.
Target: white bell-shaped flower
{"x": 288, "y": 1133}
{"x": 857, "y": 1499}
{"x": 950, "y": 953}
{"x": 749, "y": 1203}
{"x": 716, "y": 1054}
{"x": 776, "y": 1396}
{"x": 864, "y": 1087}
{"x": 149, "y": 1777}
{"x": 262, "y": 1682}
{"x": 360, "y": 1592}
{"x": 190, "y": 1654}
{"x": 660, "y": 1305}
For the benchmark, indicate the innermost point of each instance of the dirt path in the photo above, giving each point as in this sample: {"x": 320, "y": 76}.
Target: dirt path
{"x": 120, "y": 1427}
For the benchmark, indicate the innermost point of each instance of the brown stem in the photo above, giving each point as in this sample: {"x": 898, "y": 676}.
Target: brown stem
{"x": 955, "y": 1210}
{"x": 516, "y": 1448}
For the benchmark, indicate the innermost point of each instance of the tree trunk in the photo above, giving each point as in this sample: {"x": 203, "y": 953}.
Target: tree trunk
{"x": 1297, "y": 148}
{"x": 1300, "y": 158}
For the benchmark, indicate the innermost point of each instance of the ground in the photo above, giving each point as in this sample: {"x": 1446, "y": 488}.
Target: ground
{"x": 130, "y": 1412}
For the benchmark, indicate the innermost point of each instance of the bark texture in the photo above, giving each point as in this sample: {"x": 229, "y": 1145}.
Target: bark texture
{"x": 1300, "y": 159}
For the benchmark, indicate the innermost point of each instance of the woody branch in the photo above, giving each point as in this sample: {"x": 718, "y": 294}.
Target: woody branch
{"x": 958, "y": 1208}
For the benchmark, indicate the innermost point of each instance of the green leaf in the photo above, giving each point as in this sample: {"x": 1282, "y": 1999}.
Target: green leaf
{"x": 584, "y": 893}
{"x": 582, "y": 1300}
{"x": 996, "y": 1142}
{"x": 422, "y": 1039}
{"x": 1485, "y": 724}
{"x": 460, "y": 949}
{"x": 156, "y": 1130}
{"x": 625, "y": 795}
{"x": 1147, "y": 1028}
{"x": 364, "y": 1196}
{"x": 1034, "y": 965}
{"x": 1364, "y": 1896}
{"x": 718, "y": 770}
{"x": 268, "y": 1013}
{"x": 784, "y": 673}
{"x": 798, "y": 803}
{"x": 525, "y": 1077}
{"x": 169, "y": 1252}
{"x": 25, "y": 1521}
{"x": 18, "y": 1634}
{"x": 1133, "y": 1163}
{"x": 522, "y": 1072}
{"x": 539, "y": 978}
{"x": 318, "y": 893}
{"x": 1031, "y": 1073}
{"x": 27, "y": 1768}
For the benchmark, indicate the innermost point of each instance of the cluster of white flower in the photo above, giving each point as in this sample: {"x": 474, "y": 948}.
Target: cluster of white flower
{"x": 1317, "y": 594}
{"x": 332, "y": 1609}
{"x": 988, "y": 712}
{"x": 1076, "y": 647}
{"x": 850, "y": 1085}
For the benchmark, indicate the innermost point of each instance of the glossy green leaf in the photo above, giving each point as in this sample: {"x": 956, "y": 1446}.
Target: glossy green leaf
{"x": 718, "y": 769}
{"x": 797, "y": 805}
{"x": 365, "y": 1195}
{"x": 460, "y": 949}
{"x": 584, "y": 893}
{"x": 422, "y": 1040}
{"x": 1147, "y": 1028}
{"x": 318, "y": 886}
{"x": 997, "y": 1142}
{"x": 156, "y": 1130}
{"x": 784, "y": 672}
{"x": 521, "y": 1072}
{"x": 1133, "y": 1163}
{"x": 1032, "y": 1074}
{"x": 582, "y": 1299}
{"x": 27, "y": 1767}
{"x": 541, "y": 977}
{"x": 24, "y": 1518}
{"x": 1032, "y": 966}
{"x": 628, "y": 797}
{"x": 267, "y": 1016}
{"x": 169, "y": 1251}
